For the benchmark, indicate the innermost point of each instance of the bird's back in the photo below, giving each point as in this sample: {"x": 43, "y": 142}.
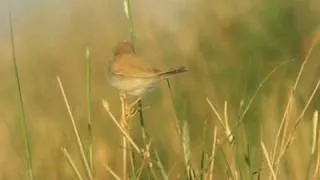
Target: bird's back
{"x": 130, "y": 65}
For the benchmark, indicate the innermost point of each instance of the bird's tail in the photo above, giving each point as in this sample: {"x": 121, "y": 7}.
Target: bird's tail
{"x": 173, "y": 71}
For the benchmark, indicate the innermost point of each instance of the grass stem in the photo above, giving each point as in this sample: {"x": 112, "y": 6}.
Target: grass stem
{"x": 26, "y": 137}
{"x": 81, "y": 148}
{"x": 89, "y": 107}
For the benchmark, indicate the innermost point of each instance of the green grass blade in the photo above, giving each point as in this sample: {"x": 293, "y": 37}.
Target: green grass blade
{"x": 89, "y": 106}
{"x": 128, "y": 12}
{"x": 26, "y": 137}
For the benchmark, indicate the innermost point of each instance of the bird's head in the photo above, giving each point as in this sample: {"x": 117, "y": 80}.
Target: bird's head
{"x": 123, "y": 47}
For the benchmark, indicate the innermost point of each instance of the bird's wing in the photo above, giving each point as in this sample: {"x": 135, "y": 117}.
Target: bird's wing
{"x": 131, "y": 65}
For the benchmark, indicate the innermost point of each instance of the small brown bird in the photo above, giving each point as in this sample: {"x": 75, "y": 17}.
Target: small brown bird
{"x": 131, "y": 76}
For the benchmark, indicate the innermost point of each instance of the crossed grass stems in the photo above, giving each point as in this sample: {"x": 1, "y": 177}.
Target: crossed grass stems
{"x": 284, "y": 138}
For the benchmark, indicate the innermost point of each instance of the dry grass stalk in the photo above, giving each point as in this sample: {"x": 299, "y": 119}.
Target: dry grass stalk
{"x": 216, "y": 113}
{"x": 291, "y": 136}
{"x": 283, "y": 126}
{"x": 317, "y": 166}
{"x": 72, "y": 164}
{"x": 314, "y": 131}
{"x": 81, "y": 148}
{"x": 112, "y": 172}
{"x": 130, "y": 140}
{"x": 265, "y": 153}
{"x": 213, "y": 152}
{"x": 125, "y": 126}
{"x": 226, "y": 122}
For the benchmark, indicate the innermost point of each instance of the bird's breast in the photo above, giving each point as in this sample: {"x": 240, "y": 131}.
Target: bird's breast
{"x": 133, "y": 85}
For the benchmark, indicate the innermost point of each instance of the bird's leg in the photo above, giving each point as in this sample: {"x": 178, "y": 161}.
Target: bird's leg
{"x": 123, "y": 95}
{"x": 132, "y": 109}
{"x": 129, "y": 110}
{"x": 135, "y": 103}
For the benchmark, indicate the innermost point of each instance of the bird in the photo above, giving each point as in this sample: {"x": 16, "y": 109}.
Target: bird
{"x": 132, "y": 76}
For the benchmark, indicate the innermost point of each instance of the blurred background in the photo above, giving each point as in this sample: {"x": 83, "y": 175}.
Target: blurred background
{"x": 228, "y": 46}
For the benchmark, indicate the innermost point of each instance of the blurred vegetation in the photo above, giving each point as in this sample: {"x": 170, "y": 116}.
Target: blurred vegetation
{"x": 229, "y": 47}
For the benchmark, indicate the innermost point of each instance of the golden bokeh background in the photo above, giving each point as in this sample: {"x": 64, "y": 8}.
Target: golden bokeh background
{"x": 228, "y": 46}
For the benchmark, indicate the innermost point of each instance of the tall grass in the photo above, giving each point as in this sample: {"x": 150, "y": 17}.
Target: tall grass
{"x": 23, "y": 121}
{"x": 89, "y": 107}
{"x": 212, "y": 138}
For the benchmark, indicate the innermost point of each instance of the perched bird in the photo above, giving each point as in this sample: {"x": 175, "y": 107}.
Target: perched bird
{"x": 133, "y": 77}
